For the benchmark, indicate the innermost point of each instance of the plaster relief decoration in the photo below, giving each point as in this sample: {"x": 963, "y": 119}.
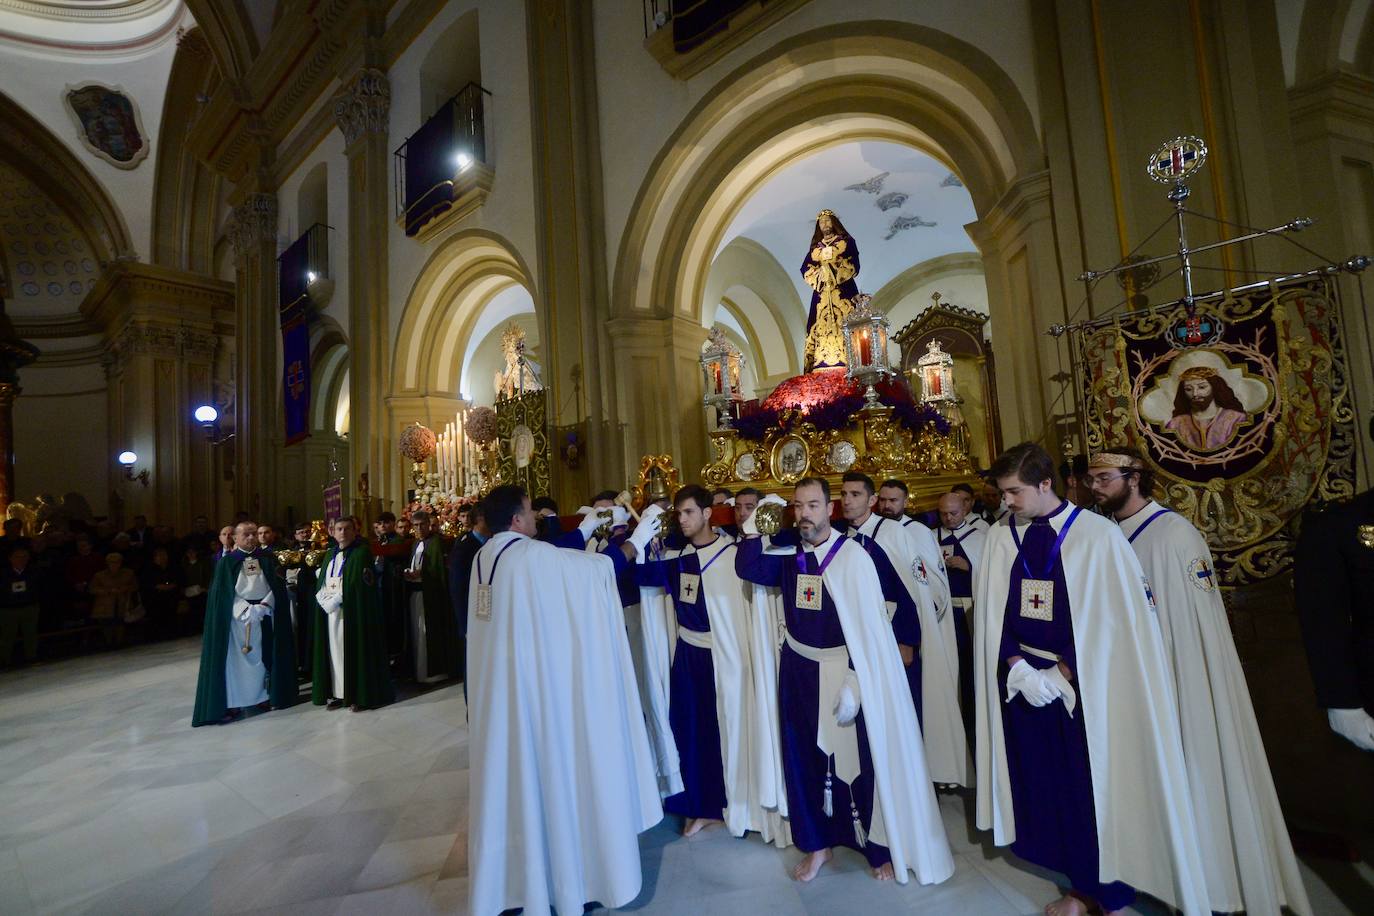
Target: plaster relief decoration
{"x": 108, "y": 123}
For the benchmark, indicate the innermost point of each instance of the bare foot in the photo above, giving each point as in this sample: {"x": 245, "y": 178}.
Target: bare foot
{"x": 1068, "y": 905}
{"x": 884, "y": 872}
{"x": 697, "y": 824}
{"x": 810, "y": 866}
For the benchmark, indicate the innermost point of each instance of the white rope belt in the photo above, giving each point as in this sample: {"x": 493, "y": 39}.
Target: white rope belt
{"x": 831, "y": 737}
{"x": 1039, "y": 653}
{"x": 695, "y": 637}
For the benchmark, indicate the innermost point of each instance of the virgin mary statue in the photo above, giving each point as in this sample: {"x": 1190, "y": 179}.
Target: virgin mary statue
{"x": 831, "y": 264}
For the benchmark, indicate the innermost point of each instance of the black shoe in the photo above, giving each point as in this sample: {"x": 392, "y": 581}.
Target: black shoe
{"x": 334, "y": 704}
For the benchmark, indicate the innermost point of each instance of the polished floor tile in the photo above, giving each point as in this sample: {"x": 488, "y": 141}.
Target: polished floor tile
{"x": 110, "y": 803}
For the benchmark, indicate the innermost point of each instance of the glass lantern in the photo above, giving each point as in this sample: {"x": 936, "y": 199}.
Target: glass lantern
{"x": 936, "y": 369}
{"x": 721, "y": 363}
{"x": 865, "y": 346}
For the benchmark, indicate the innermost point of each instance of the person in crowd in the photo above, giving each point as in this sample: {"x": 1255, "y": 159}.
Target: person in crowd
{"x": 114, "y": 594}
{"x": 226, "y": 543}
{"x": 80, "y": 568}
{"x": 196, "y": 572}
{"x": 20, "y": 595}
{"x": 160, "y": 591}
{"x": 350, "y": 664}
{"x": 13, "y": 537}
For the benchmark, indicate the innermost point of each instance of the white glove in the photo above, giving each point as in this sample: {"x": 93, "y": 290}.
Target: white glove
{"x": 775, "y": 499}
{"x": 328, "y": 601}
{"x": 590, "y": 522}
{"x": 750, "y": 526}
{"x": 847, "y": 700}
{"x": 654, "y": 511}
{"x": 644, "y": 532}
{"x": 1031, "y": 684}
{"x": 620, "y": 517}
{"x": 1354, "y": 725}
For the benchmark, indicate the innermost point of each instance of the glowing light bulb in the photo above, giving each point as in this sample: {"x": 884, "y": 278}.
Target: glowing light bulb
{"x": 206, "y": 414}
{"x": 127, "y": 458}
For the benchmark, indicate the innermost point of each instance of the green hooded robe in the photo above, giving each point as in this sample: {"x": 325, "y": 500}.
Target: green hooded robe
{"x": 367, "y": 676}
{"x": 278, "y": 641}
{"x": 443, "y": 650}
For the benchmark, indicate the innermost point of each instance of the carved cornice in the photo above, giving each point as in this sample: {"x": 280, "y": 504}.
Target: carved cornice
{"x": 160, "y": 341}
{"x": 253, "y": 223}
{"x": 364, "y": 105}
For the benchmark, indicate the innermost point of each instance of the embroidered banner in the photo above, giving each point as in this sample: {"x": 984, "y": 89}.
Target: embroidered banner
{"x": 333, "y": 502}
{"x": 295, "y": 340}
{"x": 1242, "y": 409}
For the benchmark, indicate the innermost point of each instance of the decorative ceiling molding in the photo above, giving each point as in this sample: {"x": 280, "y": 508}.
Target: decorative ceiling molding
{"x": 85, "y": 27}
{"x": 87, "y": 10}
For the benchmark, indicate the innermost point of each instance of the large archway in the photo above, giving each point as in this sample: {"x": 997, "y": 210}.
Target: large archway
{"x": 471, "y": 285}
{"x": 867, "y": 81}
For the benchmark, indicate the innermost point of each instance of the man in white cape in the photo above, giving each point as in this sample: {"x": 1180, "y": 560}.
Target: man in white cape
{"x": 961, "y": 546}
{"x": 712, "y": 711}
{"x": 1246, "y": 852}
{"x": 562, "y": 781}
{"x": 852, "y": 756}
{"x": 906, "y": 566}
{"x": 1080, "y": 763}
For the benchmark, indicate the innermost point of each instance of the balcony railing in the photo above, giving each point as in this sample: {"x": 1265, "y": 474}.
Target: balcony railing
{"x": 432, "y": 163}
{"x": 686, "y": 36}
{"x": 305, "y": 261}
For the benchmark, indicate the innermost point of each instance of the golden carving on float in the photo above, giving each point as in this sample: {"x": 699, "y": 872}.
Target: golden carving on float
{"x": 658, "y": 479}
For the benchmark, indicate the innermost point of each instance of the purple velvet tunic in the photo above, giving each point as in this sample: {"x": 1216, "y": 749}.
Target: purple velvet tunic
{"x": 692, "y": 690}
{"x": 804, "y": 765}
{"x": 1047, "y": 749}
{"x": 961, "y": 586}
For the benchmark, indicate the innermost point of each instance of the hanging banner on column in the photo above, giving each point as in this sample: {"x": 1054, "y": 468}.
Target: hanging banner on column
{"x": 333, "y": 502}
{"x": 295, "y": 339}
{"x": 1241, "y": 409}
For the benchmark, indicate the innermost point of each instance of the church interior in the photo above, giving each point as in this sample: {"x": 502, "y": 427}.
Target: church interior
{"x": 286, "y": 261}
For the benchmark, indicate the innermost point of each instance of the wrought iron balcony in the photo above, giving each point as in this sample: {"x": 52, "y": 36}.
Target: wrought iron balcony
{"x": 443, "y": 170}
{"x": 303, "y": 268}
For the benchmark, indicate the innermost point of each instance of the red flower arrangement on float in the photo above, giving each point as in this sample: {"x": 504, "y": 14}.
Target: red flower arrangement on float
{"x": 826, "y": 399}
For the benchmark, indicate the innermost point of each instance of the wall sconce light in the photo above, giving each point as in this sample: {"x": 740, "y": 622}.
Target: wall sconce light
{"x": 208, "y": 418}
{"x": 127, "y": 460}
{"x": 461, "y": 161}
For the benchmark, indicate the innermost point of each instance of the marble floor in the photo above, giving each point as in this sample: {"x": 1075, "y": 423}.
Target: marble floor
{"x": 111, "y": 804}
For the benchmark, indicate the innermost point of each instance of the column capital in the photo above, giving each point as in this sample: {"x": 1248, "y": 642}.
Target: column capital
{"x": 253, "y": 222}
{"x": 364, "y": 105}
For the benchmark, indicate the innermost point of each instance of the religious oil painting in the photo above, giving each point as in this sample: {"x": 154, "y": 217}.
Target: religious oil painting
{"x": 108, "y": 123}
{"x": 1204, "y": 402}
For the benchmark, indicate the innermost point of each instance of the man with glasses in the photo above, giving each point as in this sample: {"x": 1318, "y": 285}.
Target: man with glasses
{"x": 1247, "y": 857}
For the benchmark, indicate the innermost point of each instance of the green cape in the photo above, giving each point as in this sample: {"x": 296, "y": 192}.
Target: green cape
{"x": 441, "y": 627}
{"x": 367, "y": 676}
{"x": 278, "y": 642}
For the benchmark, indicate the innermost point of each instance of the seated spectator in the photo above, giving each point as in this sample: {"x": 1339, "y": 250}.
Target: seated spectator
{"x": 196, "y": 572}
{"x": 226, "y": 543}
{"x": 80, "y": 568}
{"x": 160, "y": 589}
{"x": 114, "y": 598}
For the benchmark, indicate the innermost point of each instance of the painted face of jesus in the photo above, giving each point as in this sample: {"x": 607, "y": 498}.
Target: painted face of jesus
{"x": 1198, "y": 392}
{"x": 826, "y": 224}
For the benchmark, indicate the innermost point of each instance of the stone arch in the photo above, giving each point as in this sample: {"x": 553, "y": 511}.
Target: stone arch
{"x": 862, "y": 80}
{"x": 230, "y": 34}
{"x": 186, "y": 194}
{"x": 329, "y": 363}
{"x": 459, "y": 279}
{"x": 775, "y": 311}
{"x": 36, "y": 153}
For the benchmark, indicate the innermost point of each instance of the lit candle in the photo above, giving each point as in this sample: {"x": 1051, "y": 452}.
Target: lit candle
{"x": 715, "y": 369}
{"x": 864, "y": 349}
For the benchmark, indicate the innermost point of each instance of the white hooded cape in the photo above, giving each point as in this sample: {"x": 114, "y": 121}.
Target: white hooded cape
{"x": 906, "y": 816}
{"x": 561, "y": 780}
{"x": 750, "y": 788}
{"x": 946, "y": 745}
{"x": 1145, "y": 830}
{"x": 1246, "y": 852}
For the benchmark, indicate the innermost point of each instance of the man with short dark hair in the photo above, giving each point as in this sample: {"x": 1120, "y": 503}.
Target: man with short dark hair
{"x": 19, "y": 603}
{"x": 561, "y": 779}
{"x": 1078, "y": 735}
{"x": 892, "y": 497}
{"x": 721, "y": 496}
{"x": 839, "y": 778}
{"x": 350, "y": 665}
{"x": 460, "y": 574}
{"x": 1241, "y": 833}
{"x": 248, "y": 653}
{"x": 921, "y": 624}
{"x": 433, "y": 633}
{"x": 390, "y": 558}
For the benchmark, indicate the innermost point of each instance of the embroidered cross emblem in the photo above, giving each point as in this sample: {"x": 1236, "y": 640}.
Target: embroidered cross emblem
{"x": 809, "y": 594}
{"x": 688, "y": 590}
{"x": 1203, "y": 576}
{"x": 1036, "y": 602}
{"x": 295, "y": 378}
{"x": 1204, "y": 573}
